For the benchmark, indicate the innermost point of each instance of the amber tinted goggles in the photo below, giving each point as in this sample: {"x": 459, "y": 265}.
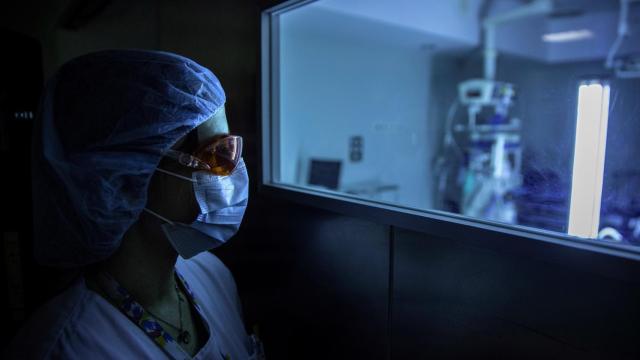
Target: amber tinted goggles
{"x": 220, "y": 155}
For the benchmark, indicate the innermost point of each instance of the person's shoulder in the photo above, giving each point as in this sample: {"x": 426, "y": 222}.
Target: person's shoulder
{"x": 208, "y": 271}
{"x": 215, "y": 291}
{"x": 49, "y": 325}
{"x": 206, "y": 263}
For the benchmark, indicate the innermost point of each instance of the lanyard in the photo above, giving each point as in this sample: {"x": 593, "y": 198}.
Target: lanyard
{"x": 139, "y": 316}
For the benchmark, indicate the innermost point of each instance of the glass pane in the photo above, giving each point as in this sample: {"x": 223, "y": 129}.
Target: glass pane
{"x": 531, "y": 122}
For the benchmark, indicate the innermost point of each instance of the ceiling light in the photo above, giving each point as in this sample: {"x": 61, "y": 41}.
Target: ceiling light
{"x": 566, "y": 36}
{"x": 588, "y": 159}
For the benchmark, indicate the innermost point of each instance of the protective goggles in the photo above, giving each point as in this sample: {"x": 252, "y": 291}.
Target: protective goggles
{"x": 219, "y": 156}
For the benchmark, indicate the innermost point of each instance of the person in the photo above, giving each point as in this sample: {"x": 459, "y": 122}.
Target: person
{"x": 135, "y": 177}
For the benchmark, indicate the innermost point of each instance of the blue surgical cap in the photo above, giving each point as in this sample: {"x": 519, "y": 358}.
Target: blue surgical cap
{"x": 105, "y": 121}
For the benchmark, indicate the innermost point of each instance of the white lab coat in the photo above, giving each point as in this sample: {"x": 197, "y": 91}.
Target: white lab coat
{"x": 80, "y": 324}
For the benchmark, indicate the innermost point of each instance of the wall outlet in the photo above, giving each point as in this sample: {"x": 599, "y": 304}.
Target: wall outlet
{"x": 355, "y": 148}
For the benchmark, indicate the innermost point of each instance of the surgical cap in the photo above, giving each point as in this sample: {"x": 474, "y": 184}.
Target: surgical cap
{"x": 104, "y": 123}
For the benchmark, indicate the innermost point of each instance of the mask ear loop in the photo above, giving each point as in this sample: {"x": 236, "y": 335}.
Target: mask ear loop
{"x": 176, "y": 175}
{"x": 172, "y": 174}
{"x": 159, "y": 216}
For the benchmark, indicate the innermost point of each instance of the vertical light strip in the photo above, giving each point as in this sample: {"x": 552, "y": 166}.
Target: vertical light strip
{"x": 588, "y": 159}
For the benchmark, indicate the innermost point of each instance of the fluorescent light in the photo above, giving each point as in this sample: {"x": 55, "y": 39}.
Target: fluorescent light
{"x": 566, "y": 36}
{"x": 588, "y": 159}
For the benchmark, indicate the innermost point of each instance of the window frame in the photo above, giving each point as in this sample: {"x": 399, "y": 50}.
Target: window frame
{"x": 546, "y": 245}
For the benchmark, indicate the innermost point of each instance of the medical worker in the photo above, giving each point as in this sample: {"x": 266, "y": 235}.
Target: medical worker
{"x": 135, "y": 177}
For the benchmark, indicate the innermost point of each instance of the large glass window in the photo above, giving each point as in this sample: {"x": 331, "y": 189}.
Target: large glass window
{"x": 523, "y": 113}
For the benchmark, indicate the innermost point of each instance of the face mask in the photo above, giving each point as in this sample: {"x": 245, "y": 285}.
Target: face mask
{"x": 222, "y": 201}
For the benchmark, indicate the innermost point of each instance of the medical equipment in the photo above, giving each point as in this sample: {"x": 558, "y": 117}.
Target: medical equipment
{"x": 629, "y": 66}
{"x": 490, "y": 24}
{"x": 490, "y": 172}
{"x": 488, "y": 145}
{"x": 620, "y": 214}
{"x": 489, "y": 153}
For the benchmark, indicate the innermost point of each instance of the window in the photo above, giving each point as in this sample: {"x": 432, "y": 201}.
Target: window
{"x": 508, "y": 114}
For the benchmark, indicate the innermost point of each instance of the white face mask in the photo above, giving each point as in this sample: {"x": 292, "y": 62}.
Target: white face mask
{"x": 222, "y": 201}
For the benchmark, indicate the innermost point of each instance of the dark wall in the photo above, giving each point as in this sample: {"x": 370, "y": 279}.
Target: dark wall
{"x": 453, "y": 300}
{"x": 315, "y": 283}
{"x": 20, "y": 85}
{"x": 322, "y": 285}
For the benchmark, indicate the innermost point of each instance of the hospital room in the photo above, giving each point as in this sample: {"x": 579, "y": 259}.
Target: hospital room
{"x": 320, "y": 179}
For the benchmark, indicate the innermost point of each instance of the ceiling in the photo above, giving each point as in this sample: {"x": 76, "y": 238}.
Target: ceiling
{"x": 455, "y": 26}
{"x": 569, "y": 6}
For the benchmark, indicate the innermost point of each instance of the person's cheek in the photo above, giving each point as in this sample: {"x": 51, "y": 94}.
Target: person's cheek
{"x": 186, "y": 201}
